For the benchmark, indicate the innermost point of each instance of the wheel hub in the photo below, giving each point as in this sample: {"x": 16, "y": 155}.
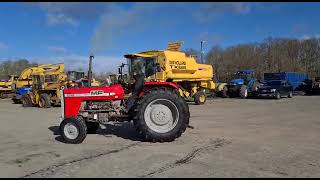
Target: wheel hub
{"x": 202, "y": 98}
{"x": 161, "y": 115}
{"x": 71, "y": 131}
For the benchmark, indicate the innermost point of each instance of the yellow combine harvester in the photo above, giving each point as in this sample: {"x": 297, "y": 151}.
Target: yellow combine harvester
{"x": 172, "y": 65}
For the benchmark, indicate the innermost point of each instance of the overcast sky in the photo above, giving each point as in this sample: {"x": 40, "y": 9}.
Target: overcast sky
{"x": 69, "y": 32}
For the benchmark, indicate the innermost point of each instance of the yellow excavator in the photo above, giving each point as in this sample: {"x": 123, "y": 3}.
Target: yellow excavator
{"x": 172, "y": 65}
{"x": 46, "y": 85}
{"x": 6, "y": 87}
{"x": 47, "y": 81}
{"x": 24, "y": 82}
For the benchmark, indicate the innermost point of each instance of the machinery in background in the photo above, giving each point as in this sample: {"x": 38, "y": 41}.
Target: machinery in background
{"x": 243, "y": 85}
{"x": 172, "y": 65}
{"x": 46, "y": 86}
{"x": 6, "y": 90}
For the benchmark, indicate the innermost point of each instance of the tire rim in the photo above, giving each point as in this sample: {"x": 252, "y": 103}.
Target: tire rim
{"x": 202, "y": 98}
{"x": 41, "y": 103}
{"x": 161, "y": 115}
{"x": 245, "y": 93}
{"x": 70, "y": 131}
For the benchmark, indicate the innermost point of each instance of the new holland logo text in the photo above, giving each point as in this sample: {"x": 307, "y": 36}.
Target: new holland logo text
{"x": 178, "y": 64}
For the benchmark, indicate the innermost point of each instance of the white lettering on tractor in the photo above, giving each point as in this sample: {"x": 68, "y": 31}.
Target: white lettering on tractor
{"x": 92, "y": 93}
{"x": 96, "y": 93}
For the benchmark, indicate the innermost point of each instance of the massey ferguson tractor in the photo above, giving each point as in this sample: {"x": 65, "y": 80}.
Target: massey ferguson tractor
{"x": 157, "y": 110}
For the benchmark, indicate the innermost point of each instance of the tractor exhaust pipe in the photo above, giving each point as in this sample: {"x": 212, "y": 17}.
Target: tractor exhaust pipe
{"x": 90, "y": 70}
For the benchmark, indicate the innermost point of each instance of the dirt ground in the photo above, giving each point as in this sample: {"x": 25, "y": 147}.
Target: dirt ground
{"x": 231, "y": 138}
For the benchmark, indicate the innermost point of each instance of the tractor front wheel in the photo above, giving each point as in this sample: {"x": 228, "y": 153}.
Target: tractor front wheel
{"x": 200, "y": 97}
{"x": 161, "y": 116}
{"x": 73, "y": 130}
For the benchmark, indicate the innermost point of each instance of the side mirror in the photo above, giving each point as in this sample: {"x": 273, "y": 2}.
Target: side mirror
{"x": 119, "y": 70}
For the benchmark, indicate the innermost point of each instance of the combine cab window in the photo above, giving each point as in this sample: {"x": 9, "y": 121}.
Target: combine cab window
{"x": 142, "y": 65}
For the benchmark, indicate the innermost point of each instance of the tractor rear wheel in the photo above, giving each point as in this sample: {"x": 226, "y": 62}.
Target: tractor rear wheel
{"x": 26, "y": 101}
{"x": 73, "y": 130}
{"x": 44, "y": 101}
{"x": 161, "y": 116}
{"x": 200, "y": 98}
{"x": 243, "y": 92}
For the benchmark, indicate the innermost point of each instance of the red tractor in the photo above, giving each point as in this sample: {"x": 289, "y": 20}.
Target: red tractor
{"x": 157, "y": 110}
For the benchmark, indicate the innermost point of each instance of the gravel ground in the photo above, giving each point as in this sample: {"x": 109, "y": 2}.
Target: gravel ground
{"x": 231, "y": 138}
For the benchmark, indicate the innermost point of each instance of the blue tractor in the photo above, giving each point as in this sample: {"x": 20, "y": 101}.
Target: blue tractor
{"x": 19, "y": 93}
{"x": 243, "y": 85}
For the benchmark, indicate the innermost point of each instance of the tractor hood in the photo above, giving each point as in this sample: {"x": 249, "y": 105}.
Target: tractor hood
{"x": 237, "y": 81}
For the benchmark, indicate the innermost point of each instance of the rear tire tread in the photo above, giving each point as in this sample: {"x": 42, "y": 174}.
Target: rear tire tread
{"x": 152, "y": 136}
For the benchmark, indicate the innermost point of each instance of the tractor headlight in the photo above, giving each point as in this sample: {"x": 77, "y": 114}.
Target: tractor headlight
{"x": 273, "y": 90}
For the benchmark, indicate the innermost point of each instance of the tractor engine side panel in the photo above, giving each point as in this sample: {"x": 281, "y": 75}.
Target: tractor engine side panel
{"x": 73, "y": 97}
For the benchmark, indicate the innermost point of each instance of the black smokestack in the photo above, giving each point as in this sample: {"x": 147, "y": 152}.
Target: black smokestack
{"x": 90, "y": 70}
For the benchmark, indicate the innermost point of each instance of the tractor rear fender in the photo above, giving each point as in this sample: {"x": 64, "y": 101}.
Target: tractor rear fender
{"x": 151, "y": 85}
{"x": 161, "y": 84}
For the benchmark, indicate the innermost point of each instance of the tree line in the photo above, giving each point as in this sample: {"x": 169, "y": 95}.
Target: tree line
{"x": 270, "y": 55}
{"x": 9, "y": 67}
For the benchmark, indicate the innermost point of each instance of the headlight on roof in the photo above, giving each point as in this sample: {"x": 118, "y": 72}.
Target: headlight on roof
{"x": 273, "y": 90}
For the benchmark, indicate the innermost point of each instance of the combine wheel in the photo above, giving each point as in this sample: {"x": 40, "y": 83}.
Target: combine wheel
{"x": 73, "y": 130}
{"x": 243, "y": 92}
{"x": 26, "y": 101}
{"x": 200, "y": 97}
{"x": 225, "y": 92}
{"x": 161, "y": 116}
{"x": 44, "y": 101}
